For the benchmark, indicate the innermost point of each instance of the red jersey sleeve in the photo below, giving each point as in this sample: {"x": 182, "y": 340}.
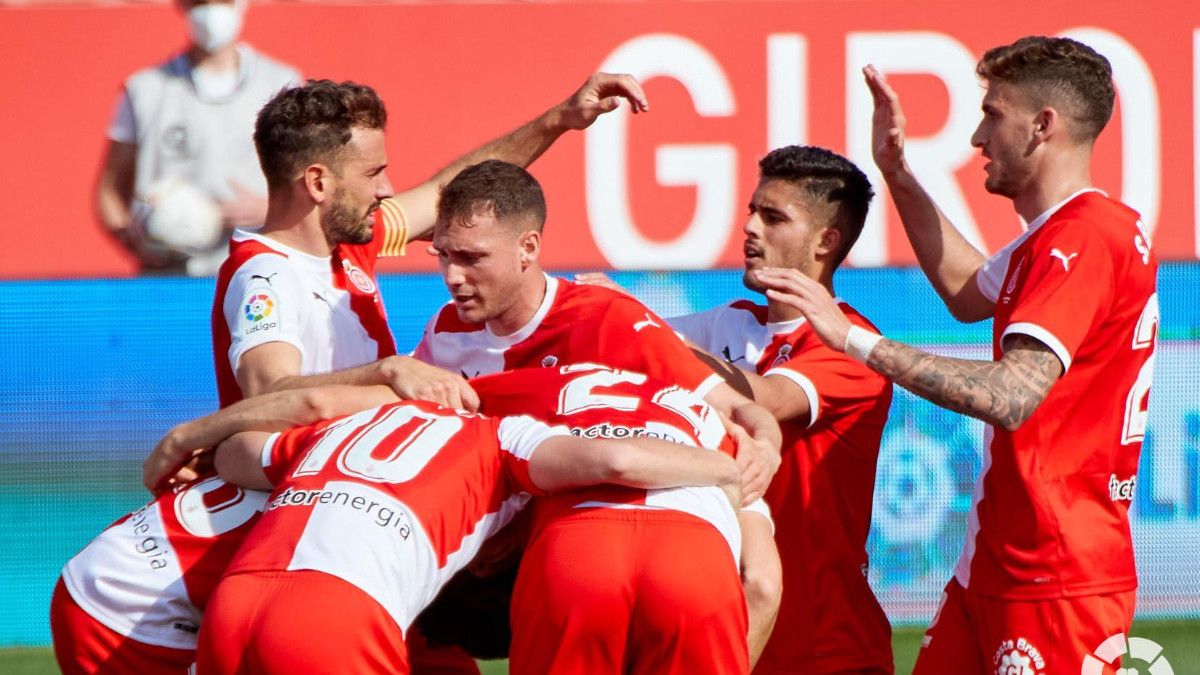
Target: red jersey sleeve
{"x": 634, "y": 338}
{"x": 519, "y": 438}
{"x": 281, "y": 449}
{"x": 831, "y": 380}
{"x": 1068, "y": 280}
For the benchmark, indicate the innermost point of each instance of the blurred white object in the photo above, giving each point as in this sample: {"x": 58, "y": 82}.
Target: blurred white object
{"x": 182, "y": 218}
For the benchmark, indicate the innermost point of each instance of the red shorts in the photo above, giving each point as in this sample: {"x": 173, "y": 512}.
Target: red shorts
{"x": 84, "y": 645}
{"x": 612, "y": 591}
{"x": 300, "y": 621}
{"x": 977, "y": 634}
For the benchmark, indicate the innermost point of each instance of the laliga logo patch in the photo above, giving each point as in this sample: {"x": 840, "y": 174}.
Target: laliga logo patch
{"x": 259, "y": 306}
{"x": 1018, "y": 657}
{"x": 785, "y": 353}
{"x": 361, "y": 280}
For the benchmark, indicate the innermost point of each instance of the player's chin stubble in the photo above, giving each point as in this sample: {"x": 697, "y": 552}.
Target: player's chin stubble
{"x": 343, "y": 225}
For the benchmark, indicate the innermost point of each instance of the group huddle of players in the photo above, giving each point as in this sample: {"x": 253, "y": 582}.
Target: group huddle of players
{"x": 698, "y": 488}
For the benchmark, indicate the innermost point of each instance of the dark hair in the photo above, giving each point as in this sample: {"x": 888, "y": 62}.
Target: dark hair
{"x": 507, "y": 191}
{"x": 1066, "y": 74}
{"x": 825, "y": 178}
{"x": 312, "y": 123}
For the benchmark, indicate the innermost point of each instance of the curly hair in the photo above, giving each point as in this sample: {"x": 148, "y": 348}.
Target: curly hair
{"x": 832, "y": 184}
{"x": 1060, "y": 72}
{"x": 511, "y": 195}
{"x": 312, "y": 123}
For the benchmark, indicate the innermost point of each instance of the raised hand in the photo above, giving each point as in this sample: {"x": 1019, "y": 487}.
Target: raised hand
{"x": 887, "y": 124}
{"x": 601, "y": 93}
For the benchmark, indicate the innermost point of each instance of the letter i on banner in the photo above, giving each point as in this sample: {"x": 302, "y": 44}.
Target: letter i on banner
{"x": 934, "y": 158}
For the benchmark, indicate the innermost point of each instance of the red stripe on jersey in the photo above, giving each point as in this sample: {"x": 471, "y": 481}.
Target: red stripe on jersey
{"x": 354, "y": 272}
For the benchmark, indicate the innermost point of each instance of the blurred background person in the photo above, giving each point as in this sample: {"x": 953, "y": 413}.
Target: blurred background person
{"x": 181, "y": 171}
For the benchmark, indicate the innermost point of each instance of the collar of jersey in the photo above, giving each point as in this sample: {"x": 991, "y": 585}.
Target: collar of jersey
{"x": 315, "y": 261}
{"x": 1041, "y": 220}
{"x": 538, "y": 316}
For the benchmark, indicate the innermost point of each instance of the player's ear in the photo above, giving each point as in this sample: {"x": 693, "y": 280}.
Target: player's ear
{"x": 316, "y": 182}
{"x": 530, "y": 244}
{"x": 829, "y": 243}
{"x": 1046, "y": 123}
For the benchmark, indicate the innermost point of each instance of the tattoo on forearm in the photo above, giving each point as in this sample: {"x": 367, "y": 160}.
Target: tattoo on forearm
{"x": 1003, "y": 393}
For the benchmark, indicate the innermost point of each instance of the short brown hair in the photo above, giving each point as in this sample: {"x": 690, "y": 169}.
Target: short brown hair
{"x": 1064, "y": 73}
{"x": 312, "y": 123}
{"x": 506, "y": 191}
{"x": 830, "y": 182}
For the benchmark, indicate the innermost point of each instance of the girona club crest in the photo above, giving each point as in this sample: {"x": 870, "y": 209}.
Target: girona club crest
{"x": 361, "y": 280}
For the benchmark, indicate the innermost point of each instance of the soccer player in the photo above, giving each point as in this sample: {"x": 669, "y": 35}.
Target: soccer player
{"x": 131, "y": 600}
{"x": 1047, "y": 571}
{"x": 805, "y": 215}
{"x": 372, "y": 513}
{"x": 297, "y": 303}
{"x": 506, "y": 313}
{"x": 602, "y": 572}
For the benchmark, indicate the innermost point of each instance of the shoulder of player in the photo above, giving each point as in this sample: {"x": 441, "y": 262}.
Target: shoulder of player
{"x": 1090, "y": 218}
{"x": 856, "y": 317}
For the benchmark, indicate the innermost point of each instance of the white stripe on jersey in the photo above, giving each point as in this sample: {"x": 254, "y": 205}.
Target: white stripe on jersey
{"x": 382, "y": 549}
{"x": 130, "y": 579}
{"x": 962, "y": 571}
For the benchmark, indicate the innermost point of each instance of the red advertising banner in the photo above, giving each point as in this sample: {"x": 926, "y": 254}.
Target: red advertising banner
{"x": 727, "y": 81}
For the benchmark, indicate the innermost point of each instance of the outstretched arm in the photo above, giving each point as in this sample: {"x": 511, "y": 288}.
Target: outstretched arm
{"x": 601, "y": 93}
{"x": 758, "y": 446}
{"x": 269, "y": 412}
{"x": 1002, "y": 393}
{"x": 946, "y": 257}
{"x": 568, "y": 462}
{"x": 275, "y": 366}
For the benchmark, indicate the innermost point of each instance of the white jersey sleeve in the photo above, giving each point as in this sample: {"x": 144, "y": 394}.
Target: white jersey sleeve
{"x": 265, "y": 302}
{"x": 521, "y": 435}
{"x": 122, "y": 128}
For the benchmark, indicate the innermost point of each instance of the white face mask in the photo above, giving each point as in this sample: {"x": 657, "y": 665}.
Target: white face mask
{"x": 215, "y": 25}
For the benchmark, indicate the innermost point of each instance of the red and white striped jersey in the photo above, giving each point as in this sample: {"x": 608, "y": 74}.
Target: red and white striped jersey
{"x": 1051, "y": 511}
{"x": 598, "y": 402}
{"x": 575, "y": 323}
{"x": 394, "y": 500}
{"x": 328, "y": 308}
{"x": 150, "y": 574}
{"x": 822, "y": 494}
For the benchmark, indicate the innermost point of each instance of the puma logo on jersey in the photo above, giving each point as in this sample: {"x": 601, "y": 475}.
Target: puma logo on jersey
{"x": 1064, "y": 258}
{"x": 637, "y": 327}
{"x": 266, "y": 278}
{"x": 729, "y": 357}
{"x": 320, "y": 297}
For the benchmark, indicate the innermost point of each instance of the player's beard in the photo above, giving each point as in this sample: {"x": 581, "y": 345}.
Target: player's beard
{"x": 343, "y": 224}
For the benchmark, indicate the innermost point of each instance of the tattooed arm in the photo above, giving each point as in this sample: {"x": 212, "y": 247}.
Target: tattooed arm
{"x": 1003, "y": 393}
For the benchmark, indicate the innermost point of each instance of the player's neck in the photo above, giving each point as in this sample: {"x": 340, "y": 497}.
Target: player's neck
{"x": 1054, "y": 184}
{"x": 529, "y": 299}
{"x": 299, "y": 229}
